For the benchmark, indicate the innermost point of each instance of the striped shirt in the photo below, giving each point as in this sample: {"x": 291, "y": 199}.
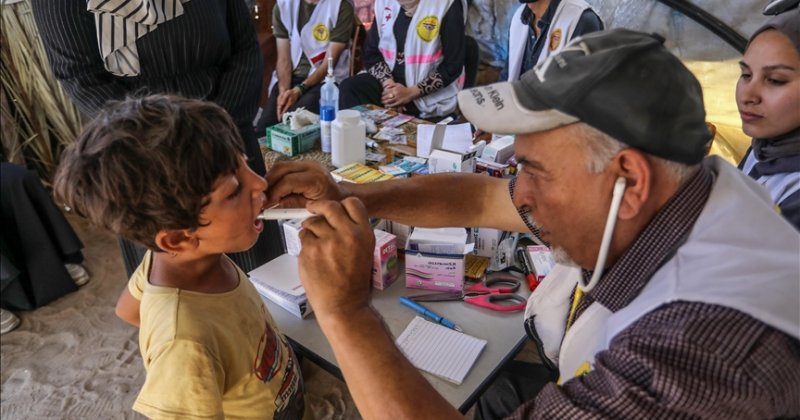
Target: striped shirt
{"x": 684, "y": 359}
{"x": 209, "y": 52}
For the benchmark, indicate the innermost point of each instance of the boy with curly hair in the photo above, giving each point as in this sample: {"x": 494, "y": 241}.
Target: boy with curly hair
{"x": 171, "y": 173}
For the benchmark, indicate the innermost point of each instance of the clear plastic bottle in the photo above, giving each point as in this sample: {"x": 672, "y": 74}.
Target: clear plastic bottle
{"x": 328, "y": 107}
{"x": 348, "y": 139}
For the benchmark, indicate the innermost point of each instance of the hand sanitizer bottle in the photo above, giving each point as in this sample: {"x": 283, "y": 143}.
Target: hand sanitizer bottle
{"x": 328, "y": 107}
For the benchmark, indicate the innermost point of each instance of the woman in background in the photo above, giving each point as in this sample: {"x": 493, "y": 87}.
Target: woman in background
{"x": 414, "y": 57}
{"x": 768, "y": 97}
{"x": 103, "y": 50}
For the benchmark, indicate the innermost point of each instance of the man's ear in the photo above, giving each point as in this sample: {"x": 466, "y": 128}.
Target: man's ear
{"x": 637, "y": 170}
{"x": 176, "y": 241}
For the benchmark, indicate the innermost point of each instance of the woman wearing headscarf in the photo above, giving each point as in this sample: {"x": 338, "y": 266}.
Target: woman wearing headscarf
{"x": 103, "y": 50}
{"x": 414, "y": 57}
{"x": 768, "y": 97}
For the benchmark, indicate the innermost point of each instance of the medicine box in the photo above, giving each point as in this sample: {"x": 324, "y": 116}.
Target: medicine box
{"x": 291, "y": 236}
{"x": 430, "y": 271}
{"x": 448, "y": 161}
{"x": 494, "y": 169}
{"x": 542, "y": 260}
{"x": 283, "y": 139}
{"x": 435, "y": 259}
{"x": 384, "y": 261}
{"x": 499, "y": 150}
{"x": 486, "y": 241}
{"x": 403, "y": 168}
{"x": 360, "y": 174}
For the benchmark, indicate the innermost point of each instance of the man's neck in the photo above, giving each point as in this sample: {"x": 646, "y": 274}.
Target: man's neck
{"x": 205, "y": 274}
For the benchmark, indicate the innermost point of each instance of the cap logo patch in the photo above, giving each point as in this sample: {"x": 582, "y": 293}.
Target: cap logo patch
{"x": 320, "y": 32}
{"x": 428, "y": 28}
{"x": 555, "y": 39}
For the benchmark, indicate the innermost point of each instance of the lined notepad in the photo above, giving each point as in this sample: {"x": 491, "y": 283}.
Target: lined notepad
{"x": 439, "y": 350}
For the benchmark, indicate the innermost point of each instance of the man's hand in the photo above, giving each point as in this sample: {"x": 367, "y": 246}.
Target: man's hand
{"x": 336, "y": 258}
{"x": 294, "y": 183}
{"x": 286, "y": 99}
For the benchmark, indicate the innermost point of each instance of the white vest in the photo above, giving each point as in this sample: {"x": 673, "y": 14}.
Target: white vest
{"x": 565, "y": 19}
{"x": 314, "y": 37}
{"x": 780, "y": 186}
{"x": 738, "y": 255}
{"x": 423, "y": 50}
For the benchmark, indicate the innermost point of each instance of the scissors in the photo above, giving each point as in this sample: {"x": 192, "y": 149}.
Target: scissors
{"x": 495, "y": 292}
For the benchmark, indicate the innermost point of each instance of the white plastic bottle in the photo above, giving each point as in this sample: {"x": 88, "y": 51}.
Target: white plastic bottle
{"x": 328, "y": 107}
{"x": 348, "y": 139}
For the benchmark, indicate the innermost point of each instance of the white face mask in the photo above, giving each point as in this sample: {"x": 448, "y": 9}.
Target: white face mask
{"x": 608, "y": 232}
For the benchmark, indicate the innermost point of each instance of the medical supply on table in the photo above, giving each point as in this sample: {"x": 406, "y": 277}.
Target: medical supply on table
{"x": 504, "y": 255}
{"x": 541, "y": 260}
{"x": 284, "y": 214}
{"x": 291, "y": 236}
{"x": 359, "y": 174}
{"x": 283, "y": 139}
{"x": 435, "y": 259}
{"x": 486, "y": 240}
{"x": 499, "y": 150}
{"x": 299, "y": 118}
{"x": 348, "y": 139}
{"x": 384, "y": 260}
{"x": 475, "y": 266}
{"x": 279, "y": 281}
{"x": 496, "y": 292}
{"x": 428, "y": 313}
{"x": 527, "y": 268}
{"x": 328, "y": 107}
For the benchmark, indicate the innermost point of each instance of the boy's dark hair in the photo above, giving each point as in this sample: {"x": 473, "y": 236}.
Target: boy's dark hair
{"x": 148, "y": 164}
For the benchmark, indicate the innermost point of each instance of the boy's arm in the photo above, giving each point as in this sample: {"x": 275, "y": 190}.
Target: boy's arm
{"x": 128, "y": 308}
{"x": 130, "y": 299}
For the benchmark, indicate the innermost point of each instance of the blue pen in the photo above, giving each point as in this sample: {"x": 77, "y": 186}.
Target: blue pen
{"x": 430, "y": 314}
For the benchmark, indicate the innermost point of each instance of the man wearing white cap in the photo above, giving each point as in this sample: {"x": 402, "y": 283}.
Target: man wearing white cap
{"x": 668, "y": 301}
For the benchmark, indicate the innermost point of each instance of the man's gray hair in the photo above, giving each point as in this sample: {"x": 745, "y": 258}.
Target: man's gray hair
{"x": 601, "y": 148}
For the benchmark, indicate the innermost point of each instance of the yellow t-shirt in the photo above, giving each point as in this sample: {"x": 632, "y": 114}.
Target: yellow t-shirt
{"x": 214, "y": 355}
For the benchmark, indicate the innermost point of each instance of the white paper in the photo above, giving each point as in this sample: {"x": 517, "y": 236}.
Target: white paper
{"x": 457, "y": 138}
{"x": 453, "y": 235}
{"x": 282, "y": 274}
{"x": 439, "y": 350}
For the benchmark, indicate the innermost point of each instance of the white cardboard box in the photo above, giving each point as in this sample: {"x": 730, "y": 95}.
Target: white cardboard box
{"x": 499, "y": 150}
{"x": 448, "y": 161}
{"x": 291, "y": 236}
{"x": 435, "y": 259}
{"x": 486, "y": 241}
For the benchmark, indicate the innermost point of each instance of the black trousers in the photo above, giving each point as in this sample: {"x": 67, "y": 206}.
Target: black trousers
{"x": 269, "y": 117}
{"x": 518, "y": 382}
{"x": 36, "y": 240}
{"x": 364, "y": 89}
